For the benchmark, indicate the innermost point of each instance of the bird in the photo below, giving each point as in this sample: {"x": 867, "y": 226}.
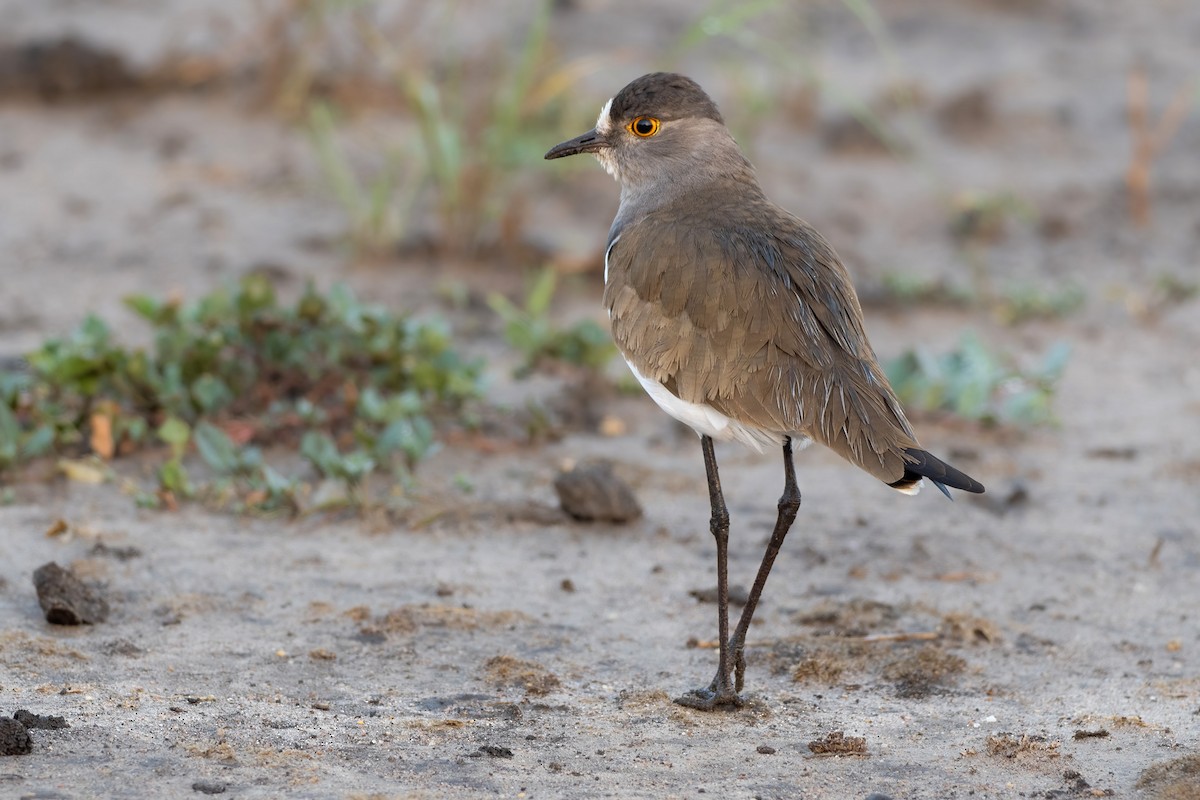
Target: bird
{"x": 739, "y": 320}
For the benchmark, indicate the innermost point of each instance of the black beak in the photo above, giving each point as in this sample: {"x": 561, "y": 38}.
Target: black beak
{"x": 589, "y": 142}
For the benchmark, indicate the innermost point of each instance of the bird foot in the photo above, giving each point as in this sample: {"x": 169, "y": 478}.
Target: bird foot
{"x": 711, "y": 698}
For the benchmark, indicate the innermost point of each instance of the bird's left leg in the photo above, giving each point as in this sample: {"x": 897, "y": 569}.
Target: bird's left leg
{"x": 789, "y": 504}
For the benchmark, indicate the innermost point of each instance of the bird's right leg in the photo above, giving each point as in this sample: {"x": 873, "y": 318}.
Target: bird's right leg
{"x": 720, "y": 692}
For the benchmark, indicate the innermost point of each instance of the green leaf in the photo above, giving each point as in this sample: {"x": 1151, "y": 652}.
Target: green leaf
{"x": 174, "y": 477}
{"x": 10, "y": 432}
{"x": 37, "y": 443}
{"x": 176, "y": 433}
{"x": 145, "y": 307}
{"x": 321, "y": 452}
{"x": 217, "y": 449}
{"x": 210, "y": 393}
{"x": 355, "y": 466}
{"x": 541, "y": 293}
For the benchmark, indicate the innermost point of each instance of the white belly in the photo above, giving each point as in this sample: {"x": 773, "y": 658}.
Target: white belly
{"x": 707, "y": 421}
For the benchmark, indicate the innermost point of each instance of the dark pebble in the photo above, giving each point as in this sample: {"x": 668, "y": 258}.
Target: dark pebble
{"x": 208, "y": 787}
{"x": 496, "y": 751}
{"x": 591, "y": 492}
{"x": 14, "y": 739}
{"x": 62, "y": 68}
{"x": 766, "y": 749}
{"x": 65, "y": 599}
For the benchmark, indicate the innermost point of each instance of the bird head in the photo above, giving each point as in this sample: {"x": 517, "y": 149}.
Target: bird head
{"x": 660, "y": 129}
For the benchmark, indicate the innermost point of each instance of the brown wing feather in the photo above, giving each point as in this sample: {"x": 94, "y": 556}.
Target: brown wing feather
{"x": 766, "y": 329}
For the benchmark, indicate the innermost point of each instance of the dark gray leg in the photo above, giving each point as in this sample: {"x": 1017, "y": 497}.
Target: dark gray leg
{"x": 789, "y": 504}
{"x": 720, "y": 692}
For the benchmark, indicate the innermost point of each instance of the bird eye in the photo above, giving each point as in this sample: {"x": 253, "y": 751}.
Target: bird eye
{"x": 644, "y": 127}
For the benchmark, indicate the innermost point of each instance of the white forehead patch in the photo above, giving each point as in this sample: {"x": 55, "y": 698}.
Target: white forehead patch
{"x": 603, "y": 125}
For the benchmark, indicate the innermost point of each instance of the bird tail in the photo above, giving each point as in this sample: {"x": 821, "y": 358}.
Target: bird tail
{"x": 922, "y": 464}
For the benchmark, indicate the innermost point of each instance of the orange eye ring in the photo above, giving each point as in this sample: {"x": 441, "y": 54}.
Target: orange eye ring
{"x": 644, "y": 127}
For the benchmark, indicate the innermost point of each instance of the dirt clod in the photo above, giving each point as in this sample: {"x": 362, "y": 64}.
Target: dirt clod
{"x": 838, "y": 743}
{"x": 208, "y": 787}
{"x": 14, "y": 738}
{"x": 1177, "y": 779}
{"x": 65, "y": 599}
{"x": 920, "y": 674}
{"x": 32, "y": 721}
{"x": 495, "y": 751}
{"x": 1099, "y": 733}
{"x": 967, "y": 114}
{"x": 1006, "y": 745}
{"x": 62, "y": 68}
{"x": 528, "y": 675}
{"x": 591, "y": 492}
{"x": 968, "y": 629}
{"x": 824, "y": 668}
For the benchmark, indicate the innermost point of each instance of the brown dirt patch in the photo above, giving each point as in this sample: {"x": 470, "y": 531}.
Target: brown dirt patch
{"x": 838, "y": 743}
{"x": 528, "y": 675}
{"x": 923, "y": 672}
{"x": 411, "y": 618}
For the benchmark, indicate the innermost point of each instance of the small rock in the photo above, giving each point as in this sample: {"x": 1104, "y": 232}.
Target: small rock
{"x": 766, "y": 749}
{"x": 967, "y": 114}
{"x": 31, "y": 721}
{"x": 65, "y": 599}
{"x": 208, "y": 787}
{"x": 14, "y": 739}
{"x": 495, "y": 751}
{"x": 591, "y": 492}
{"x": 63, "y": 68}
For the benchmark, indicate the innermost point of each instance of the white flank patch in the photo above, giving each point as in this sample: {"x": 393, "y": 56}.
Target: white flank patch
{"x": 606, "y": 252}
{"x": 706, "y": 420}
{"x": 603, "y": 126}
{"x": 916, "y": 487}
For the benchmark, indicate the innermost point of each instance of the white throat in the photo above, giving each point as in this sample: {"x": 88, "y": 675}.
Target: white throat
{"x": 604, "y": 128}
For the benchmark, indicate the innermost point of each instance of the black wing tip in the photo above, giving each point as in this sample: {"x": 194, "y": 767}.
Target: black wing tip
{"x": 922, "y": 464}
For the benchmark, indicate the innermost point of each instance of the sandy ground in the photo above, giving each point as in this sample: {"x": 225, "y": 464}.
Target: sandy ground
{"x": 1040, "y": 641}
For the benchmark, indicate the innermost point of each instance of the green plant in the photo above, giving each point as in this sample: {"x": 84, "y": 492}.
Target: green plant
{"x": 304, "y": 53}
{"x": 377, "y": 208}
{"x": 905, "y": 288}
{"x": 1013, "y": 305}
{"x": 977, "y": 384}
{"x": 480, "y": 123}
{"x": 1020, "y": 303}
{"x": 362, "y": 389}
{"x": 531, "y": 331}
{"x": 984, "y": 216}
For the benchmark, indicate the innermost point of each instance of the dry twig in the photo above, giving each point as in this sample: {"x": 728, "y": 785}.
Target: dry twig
{"x": 1147, "y": 143}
